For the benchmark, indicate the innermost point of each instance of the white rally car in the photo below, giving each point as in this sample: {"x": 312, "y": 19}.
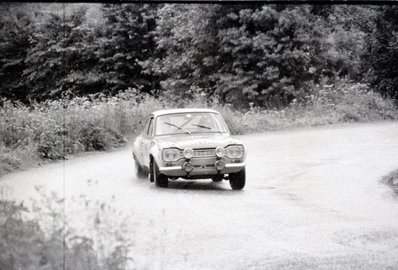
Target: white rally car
{"x": 189, "y": 144}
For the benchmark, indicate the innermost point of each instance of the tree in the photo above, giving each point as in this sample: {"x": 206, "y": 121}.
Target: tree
{"x": 381, "y": 60}
{"x": 343, "y": 42}
{"x": 243, "y": 53}
{"x": 270, "y": 55}
{"x": 186, "y": 49}
{"x": 15, "y": 30}
{"x": 262, "y": 54}
{"x": 125, "y": 43}
{"x": 59, "y": 55}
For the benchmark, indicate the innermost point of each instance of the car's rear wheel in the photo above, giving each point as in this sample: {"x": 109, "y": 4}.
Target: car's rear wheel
{"x": 139, "y": 171}
{"x": 161, "y": 180}
{"x": 237, "y": 180}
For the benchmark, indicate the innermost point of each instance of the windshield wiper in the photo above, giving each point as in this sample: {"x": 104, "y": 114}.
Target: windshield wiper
{"x": 180, "y": 128}
{"x": 207, "y": 127}
{"x": 202, "y": 126}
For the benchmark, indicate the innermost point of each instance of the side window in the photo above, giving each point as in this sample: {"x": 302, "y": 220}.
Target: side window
{"x": 150, "y": 127}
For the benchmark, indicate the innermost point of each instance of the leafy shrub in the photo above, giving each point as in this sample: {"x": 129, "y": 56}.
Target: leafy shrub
{"x": 50, "y": 145}
{"x": 20, "y": 156}
{"x": 8, "y": 163}
{"x": 341, "y": 102}
{"x": 392, "y": 180}
{"x": 40, "y": 238}
{"x": 97, "y": 138}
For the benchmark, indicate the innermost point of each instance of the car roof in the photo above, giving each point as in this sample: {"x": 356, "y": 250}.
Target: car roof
{"x": 182, "y": 110}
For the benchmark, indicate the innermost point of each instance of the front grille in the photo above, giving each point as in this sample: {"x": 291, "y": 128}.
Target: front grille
{"x": 204, "y": 166}
{"x": 198, "y": 153}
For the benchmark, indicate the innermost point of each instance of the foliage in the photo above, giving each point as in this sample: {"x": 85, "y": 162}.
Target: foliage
{"x": 269, "y": 52}
{"x": 15, "y": 28}
{"x": 186, "y": 49}
{"x": 59, "y": 58}
{"x": 39, "y": 237}
{"x": 328, "y": 104}
{"x": 52, "y": 130}
{"x": 391, "y": 180}
{"x": 382, "y": 52}
{"x": 124, "y": 43}
{"x": 64, "y": 51}
{"x": 268, "y": 55}
{"x": 56, "y": 129}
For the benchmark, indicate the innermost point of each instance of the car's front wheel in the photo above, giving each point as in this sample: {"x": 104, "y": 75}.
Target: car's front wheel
{"x": 237, "y": 180}
{"x": 161, "y": 180}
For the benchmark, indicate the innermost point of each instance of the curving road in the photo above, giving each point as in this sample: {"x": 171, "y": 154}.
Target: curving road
{"x": 313, "y": 200}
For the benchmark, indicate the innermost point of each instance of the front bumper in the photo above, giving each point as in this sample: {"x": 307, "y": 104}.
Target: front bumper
{"x": 201, "y": 169}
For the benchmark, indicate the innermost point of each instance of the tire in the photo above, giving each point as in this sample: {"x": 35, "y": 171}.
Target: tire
{"x": 237, "y": 180}
{"x": 139, "y": 171}
{"x": 161, "y": 180}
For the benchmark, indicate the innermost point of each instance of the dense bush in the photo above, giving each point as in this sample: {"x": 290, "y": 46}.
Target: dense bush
{"x": 55, "y": 129}
{"x": 39, "y": 237}
{"x": 328, "y": 104}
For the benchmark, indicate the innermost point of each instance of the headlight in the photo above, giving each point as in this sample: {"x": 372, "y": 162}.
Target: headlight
{"x": 220, "y": 151}
{"x": 188, "y": 153}
{"x": 235, "y": 151}
{"x": 188, "y": 167}
{"x": 171, "y": 154}
{"x": 219, "y": 165}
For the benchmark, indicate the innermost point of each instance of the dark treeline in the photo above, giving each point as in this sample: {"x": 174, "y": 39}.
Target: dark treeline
{"x": 263, "y": 55}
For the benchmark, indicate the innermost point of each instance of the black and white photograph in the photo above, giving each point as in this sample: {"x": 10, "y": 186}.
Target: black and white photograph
{"x": 198, "y": 135}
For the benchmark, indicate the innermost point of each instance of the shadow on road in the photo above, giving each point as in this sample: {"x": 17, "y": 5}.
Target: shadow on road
{"x": 193, "y": 185}
{"x": 196, "y": 185}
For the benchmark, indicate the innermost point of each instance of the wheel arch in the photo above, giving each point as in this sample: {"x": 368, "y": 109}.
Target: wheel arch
{"x": 155, "y": 154}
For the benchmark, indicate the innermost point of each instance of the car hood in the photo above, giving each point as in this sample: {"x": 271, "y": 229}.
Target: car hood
{"x": 196, "y": 140}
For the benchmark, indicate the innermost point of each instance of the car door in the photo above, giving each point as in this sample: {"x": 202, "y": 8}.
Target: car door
{"x": 147, "y": 141}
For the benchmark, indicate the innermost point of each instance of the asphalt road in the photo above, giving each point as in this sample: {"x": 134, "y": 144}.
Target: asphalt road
{"x": 313, "y": 200}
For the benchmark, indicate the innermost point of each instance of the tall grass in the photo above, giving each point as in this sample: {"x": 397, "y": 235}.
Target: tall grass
{"x": 78, "y": 233}
{"x": 329, "y": 104}
{"x": 40, "y": 236}
{"x": 56, "y": 129}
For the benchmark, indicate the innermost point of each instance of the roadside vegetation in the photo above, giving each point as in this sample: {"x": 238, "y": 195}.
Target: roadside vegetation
{"x": 40, "y": 237}
{"x": 392, "y": 180}
{"x": 58, "y": 129}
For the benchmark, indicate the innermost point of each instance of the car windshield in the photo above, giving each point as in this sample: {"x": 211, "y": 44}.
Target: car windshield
{"x": 188, "y": 123}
